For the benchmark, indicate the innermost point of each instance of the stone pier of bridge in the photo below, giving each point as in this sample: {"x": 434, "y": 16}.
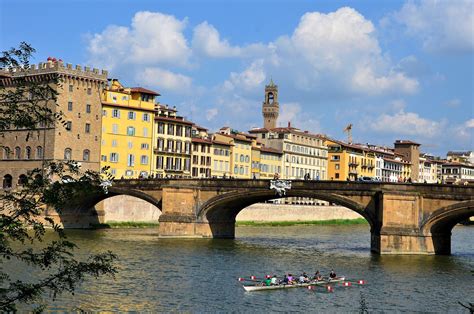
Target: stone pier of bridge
{"x": 403, "y": 219}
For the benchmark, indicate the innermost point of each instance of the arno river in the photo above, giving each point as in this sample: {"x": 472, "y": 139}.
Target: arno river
{"x": 201, "y": 275}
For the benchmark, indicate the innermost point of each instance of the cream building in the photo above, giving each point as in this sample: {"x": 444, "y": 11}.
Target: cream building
{"x": 172, "y": 144}
{"x": 221, "y": 158}
{"x": 241, "y": 152}
{"x": 201, "y": 160}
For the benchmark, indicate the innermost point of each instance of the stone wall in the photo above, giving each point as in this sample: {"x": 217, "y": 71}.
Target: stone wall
{"x": 127, "y": 208}
{"x": 284, "y": 212}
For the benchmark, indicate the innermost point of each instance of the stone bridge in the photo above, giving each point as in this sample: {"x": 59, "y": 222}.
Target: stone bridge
{"x": 403, "y": 218}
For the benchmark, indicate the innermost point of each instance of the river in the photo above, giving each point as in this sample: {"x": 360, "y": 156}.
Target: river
{"x": 200, "y": 275}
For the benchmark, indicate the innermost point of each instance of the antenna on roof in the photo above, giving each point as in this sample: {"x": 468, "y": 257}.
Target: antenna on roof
{"x": 348, "y": 130}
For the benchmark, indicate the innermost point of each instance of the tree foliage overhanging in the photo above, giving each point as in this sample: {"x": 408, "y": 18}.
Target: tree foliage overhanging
{"x": 31, "y": 105}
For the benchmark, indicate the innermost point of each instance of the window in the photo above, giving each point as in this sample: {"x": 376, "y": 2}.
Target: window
{"x": 115, "y": 113}
{"x": 336, "y": 166}
{"x": 130, "y": 160}
{"x": 124, "y": 97}
{"x": 114, "y": 157}
{"x": 88, "y": 108}
{"x": 114, "y": 143}
{"x": 115, "y": 128}
{"x": 161, "y": 128}
{"x": 337, "y": 175}
{"x": 69, "y": 106}
{"x": 69, "y": 126}
{"x": 247, "y": 159}
{"x": 103, "y": 158}
{"x": 187, "y": 131}
{"x": 236, "y": 170}
{"x": 71, "y": 88}
{"x": 159, "y": 162}
{"x": 145, "y": 132}
{"x": 86, "y": 155}
{"x": 89, "y": 91}
{"x": 131, "y": 115}
{"x": 144, "y": 160}
{"x": 129, "y": 173}
{"x": 130, "y": 131}
{"x": 88, "y": 128}
{"x": 130, "y": 144}
{"x": 6, "y": 153}
{"x": 28, "y": 152}
{"x": 179, "y": 130}
{"x": 17, "y": 152}
{"x": 170, "y": 129}
{"x": 67, "y": 154}
{"x": 104, "y": 113}
{"x": 146, "y": 117}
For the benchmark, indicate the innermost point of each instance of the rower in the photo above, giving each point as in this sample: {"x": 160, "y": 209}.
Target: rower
{"x": 291, "y": 279}
{"x": 303, "y": 278}
{"x": 332, "y": 274}
{"x": 274, "y": 280}
{"x": 317, "y": 276}
{"x": 268, "y": 281}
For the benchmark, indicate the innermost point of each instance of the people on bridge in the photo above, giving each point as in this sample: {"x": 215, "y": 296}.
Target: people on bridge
{"x": 276, "y": 176}
{"x": 332, "y": 274}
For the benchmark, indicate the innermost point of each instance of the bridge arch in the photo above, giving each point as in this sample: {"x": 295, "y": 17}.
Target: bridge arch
{"x": 83, "y": 212}
{"x": 220, "y": 211}
{"x": 441, "y": 222}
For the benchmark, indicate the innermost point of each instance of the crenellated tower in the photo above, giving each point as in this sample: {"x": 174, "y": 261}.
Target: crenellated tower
{"x": 270, "y": 108}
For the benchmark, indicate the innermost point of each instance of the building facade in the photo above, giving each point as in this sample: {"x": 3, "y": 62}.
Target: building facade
{"x": 127, "y": 130}
{"x": 78, "y": 98}
{"x": 458, "y": 173}
{"x": 270, "y": 107}
{"x": 410, "y": 151}
{"x": 201, "y": 162}
{"x": 350, "y": 162}
{"x": 172, "y": 144}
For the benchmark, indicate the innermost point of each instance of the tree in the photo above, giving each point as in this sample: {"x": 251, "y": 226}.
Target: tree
{"x": 29, "y": 104}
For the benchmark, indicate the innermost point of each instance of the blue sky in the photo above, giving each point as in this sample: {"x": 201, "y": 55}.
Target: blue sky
{"x": 395, "y": 69}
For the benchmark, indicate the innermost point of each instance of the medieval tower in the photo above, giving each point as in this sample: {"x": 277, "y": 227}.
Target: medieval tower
{"x": 270, "y": 108}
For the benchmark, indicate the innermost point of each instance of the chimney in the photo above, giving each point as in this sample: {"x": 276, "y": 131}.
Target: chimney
{"x": 289, "y": 124}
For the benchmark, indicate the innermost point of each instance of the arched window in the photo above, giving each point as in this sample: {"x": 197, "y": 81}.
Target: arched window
{"x": 86, "y": 155}
{"x": 17, "y": 152}
{"x": 39, "y": 152}
{"x": 6, "y": 153}
{"x": 22, "y": 179}
{"x": 7, "y": 181}
{"x": 28, "y": 152}
{"x": 67, "y": 154}
{"x": 270, "y": 98}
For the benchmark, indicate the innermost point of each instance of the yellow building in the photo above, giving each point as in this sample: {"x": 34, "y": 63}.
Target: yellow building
{"x": 221, "y": 157}
{"x": 172, "y": 144}
{"x": 241, "y": 153}
{"x": 270, "y": 162}
{"x": 256, "y": 156}
{"x": 127, "y": 130}
{"x": 349, "y": 161}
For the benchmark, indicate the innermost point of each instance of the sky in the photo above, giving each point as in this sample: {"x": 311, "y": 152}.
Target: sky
{"x": 394, "y": 69}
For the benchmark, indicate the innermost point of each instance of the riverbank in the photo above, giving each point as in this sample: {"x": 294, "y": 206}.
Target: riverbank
{"x": 358, "y": 221}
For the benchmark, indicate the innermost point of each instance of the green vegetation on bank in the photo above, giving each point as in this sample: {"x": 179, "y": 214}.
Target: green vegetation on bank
{"x": 126, "y": 224}
{"x": 358, "y": 221}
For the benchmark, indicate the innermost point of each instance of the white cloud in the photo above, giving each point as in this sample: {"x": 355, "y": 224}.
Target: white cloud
{"x": 443, "y": 26}
{"x": 207, "y": 40}
{"x": 249, "y": 79}
{"x": 164, "y": 79}
{"x": 365, "y": 80}
{"x": 292, "y": 113}
{"x": 211, "y": 113}
{"x": 464, "y": 134}
{"x": 152, "y": 38}
{"x": 407, "y": 123}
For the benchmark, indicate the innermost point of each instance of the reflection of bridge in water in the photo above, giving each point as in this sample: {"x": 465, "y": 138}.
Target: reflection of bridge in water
{"x": 403, "y": 218}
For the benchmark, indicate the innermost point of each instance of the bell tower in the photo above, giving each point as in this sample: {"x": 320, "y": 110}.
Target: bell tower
{"x": 270, "y": 108}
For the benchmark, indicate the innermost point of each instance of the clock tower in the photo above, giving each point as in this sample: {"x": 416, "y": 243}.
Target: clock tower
{"x": 270, "y": 108}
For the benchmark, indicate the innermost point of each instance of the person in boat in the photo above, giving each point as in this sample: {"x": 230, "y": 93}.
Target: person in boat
{"x": 291, "y": 279}
{"x": 284, "y": 281}
{"x": 332, "y": 274}
{"x": 274, "y": 281}
{"x": 303, "y": 278}
{"x": 317, "y": 276}
{"x": 267, "y": 281}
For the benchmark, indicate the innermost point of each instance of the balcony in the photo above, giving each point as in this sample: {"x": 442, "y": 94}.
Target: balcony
{"x": 353, "y": 163}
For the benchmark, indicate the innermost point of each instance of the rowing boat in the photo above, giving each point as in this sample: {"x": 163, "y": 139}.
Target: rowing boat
{"x": 251, "y": 288}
